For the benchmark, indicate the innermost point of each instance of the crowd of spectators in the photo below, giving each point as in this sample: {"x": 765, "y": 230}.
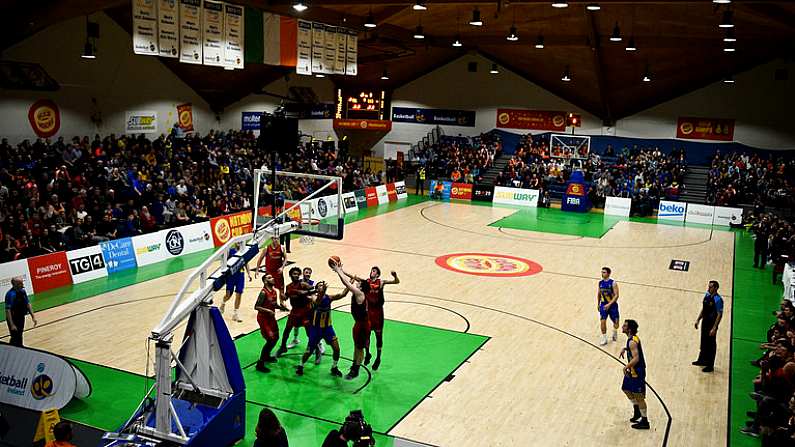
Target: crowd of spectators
{"x": 461, "y": 159}
{"x": 742, "y": 178}
{"x": 64, "y": 194}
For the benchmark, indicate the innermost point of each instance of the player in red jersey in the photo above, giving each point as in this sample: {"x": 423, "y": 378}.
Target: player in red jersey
{"x": 301, "y": 307}
{"x": 266, "y": 318}
{"x": 373, "y": 289}
{"x": 361, "y": 325}
{"x": 275, "y": 259}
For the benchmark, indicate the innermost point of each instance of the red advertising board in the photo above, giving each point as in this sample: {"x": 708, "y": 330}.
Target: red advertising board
{"x": 461, "y": 191}
{"x": 372, "y": 196}
{"x": 391, "y": 192}
{"x": 717, "y": 129}
{"x": 229, "y": 226}
{"x": 354, "y": 124}
{"x": 49, "y": 271}
{"x": 531, "y": 119}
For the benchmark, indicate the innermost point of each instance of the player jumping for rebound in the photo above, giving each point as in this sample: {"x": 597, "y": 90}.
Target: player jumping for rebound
{"x": 321, "y": 328}
{"x": 607, "y": 303}
{"x": 361, "y": 325}
{"x": 373, "y": 289}
{"x": 298, "y": 292}
{"x": 235, "y": 283}
{"x": 634, "y": 385}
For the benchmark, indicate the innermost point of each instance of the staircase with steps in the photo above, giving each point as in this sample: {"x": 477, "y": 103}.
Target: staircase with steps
{"x": 695, "y": 183}
{"x": 499, "y": 165}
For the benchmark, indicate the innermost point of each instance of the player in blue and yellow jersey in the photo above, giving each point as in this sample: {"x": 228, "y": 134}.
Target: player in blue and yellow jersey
{"x": 235, "y": 282}
{"x": 634, "y": 385}
{"x": 320, "y": 327}
{"x": 607, "y": 304}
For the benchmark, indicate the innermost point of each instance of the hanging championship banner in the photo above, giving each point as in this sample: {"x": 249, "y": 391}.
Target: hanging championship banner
{"x": 44, "y": 118}
{"x": 190, "y": 31}
{"x": 185, "y": 116}
{"x": 330, "y": 52}
{"x": 144, "y": 21}
{"x": 318, "y": 47}
{"x": 213, "y": 33}
{"x": 351, "y": 54}
{"x": 342, "y": 40}
{"x": 233, "y": 36}
{"x": 304, "y": 44}
{"x": 168, "y": 28}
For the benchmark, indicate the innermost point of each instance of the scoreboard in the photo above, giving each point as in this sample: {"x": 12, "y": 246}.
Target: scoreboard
{"x": 362, "y": 103}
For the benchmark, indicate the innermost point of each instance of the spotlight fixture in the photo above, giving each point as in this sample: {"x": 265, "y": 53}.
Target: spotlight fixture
{"x": 369, "y": 22}
{"x": 88, "y": 51}
{"x": 560, "y": 4}
{"x": 385, "y": 75}
{"x": 728, "y": 80}
{"x": 476, "y": 20}
{"x": 494, "y": 69}
{"x": 631, "y": 44}
{"x": 512, "y": 36}
{"x": 729, "y": 37}
{"x": 616, "y": 36}
{"x": 419, "y": 6}
{"x": 593, "y": 7}
{"x": 457, "y": 42}
{"x": 647, "y": 75}
{"x": 566, "y": 75}
{"x": 301, "y": 5}
{"x": 540, "y": 42}
{"x": 727, "y": 20}
{"x": 418, "y": 33}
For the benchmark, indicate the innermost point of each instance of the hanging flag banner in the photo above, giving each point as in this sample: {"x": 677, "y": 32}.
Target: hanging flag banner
{"x": 168, "y": 28}
{"x": 342, "y": 40}
{"x": 190, "y": 31}
{"x": 304, "y": 45}
{"x": 141, "y": 122}
{"x": 715, "y": 129}
{"x": 434, "y": 116}
{"x": 44, "y": 118}
{"x": 351, "y": 54}
{"x": 318, "y": 47}
{"x": 185, "y": 116}
{"x": 213, "y": 33}
{"x": 330, "y": 52}
{"x": 280, "y": 34}
{"x": 144, "y": 21}
{"x": 531, "y": 119}
{"x": 233, "y": 36}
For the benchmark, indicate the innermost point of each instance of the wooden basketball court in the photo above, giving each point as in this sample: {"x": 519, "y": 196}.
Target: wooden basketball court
{"x": 541, "y": 379}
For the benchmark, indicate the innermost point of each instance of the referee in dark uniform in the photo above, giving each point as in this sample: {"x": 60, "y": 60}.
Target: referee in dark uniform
{"x": 710, "y": 316}
{"x": 17, "y": 306}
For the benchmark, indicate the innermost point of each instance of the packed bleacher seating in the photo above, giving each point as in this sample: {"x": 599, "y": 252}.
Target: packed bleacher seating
{"x": 460, "y": 159}
{"x": 69, "y": 194}
{"x": 744, "y": 179}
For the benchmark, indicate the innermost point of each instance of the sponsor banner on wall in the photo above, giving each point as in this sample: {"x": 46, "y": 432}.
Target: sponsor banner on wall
{"x": 618, "y": 206}
{"x": 371, "y": 195}
{"x": 38, "y": 380}
{"x": 531, "y": 119}
{"x": 516, "y": 196}
{"x": 213, "y": 33}
{"x": 391, "y": 192}
{"x": 304, "y": 44}
{"x": 400, "y": 189}
{"x": 318, "y": 47}
{"x": 326, "y": 206}
{"x": 141, "y": 122}
{"x": 349, "y": 202}
{"x": 144, "y": 23}
{"x": 185, "y": 116}
{"x": 119, "y": 254}
{"x": 434, "y": 116}
{"x": 251, "y": 120}
{"x": 361, "y": 198}
{"x": 576, "y": 196}
{"x": 671, "y": 210}
{"x": 352, "y": 53}
{"x": 356, "y": 124}
{"x": 727, "y": 216}
{"x": 44, "y": 118}
{"x": 383, "y": 194}
{"x": 14, "y": 269}
{"x": 716, "y": 129}
{"x": 462, "y": 191}
{"x": 168, "y": 28}
{"x": 190, "y": 31}
{"x": 483, "y": 193}
{"x": 330, "y": 50}
{"x": 702, "y": 214}
{"x": 86, "y": 264}
{"x": 229, "y": 226}
{"x": 167, "y": 244}
{"x": 49, "y": 271}
{"x": 233, "y": 36}
{"x": 440, "y": 189}
{"x": 149, "y": 248}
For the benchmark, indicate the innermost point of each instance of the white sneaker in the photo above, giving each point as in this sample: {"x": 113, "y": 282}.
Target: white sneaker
{"x": 293, "y": 343}
{"x": 222, "y": 307}
{"x": 318, "y": 356}
{"x": 320, "y": 348}
{"x": 615, "y": 336}
{"x": 236, "y": 317}
{"x": 603, "y": 341}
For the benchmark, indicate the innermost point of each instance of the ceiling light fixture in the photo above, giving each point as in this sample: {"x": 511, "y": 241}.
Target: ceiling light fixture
{"x": 722, "y": 2}
{"x": 229, "y": 68}
{"x": 369, "y": 22}
{"x": 512, "y": 36}
{"x": 729, "y": 37}
{"x": 566, "y": 75}
{"x": 476, "y": 20}
{"x": 616, "y": 36}
{"x": 647, "y": 74}
{"x": 301, "y": 5}
{"x": 540, "y": 42}
{"x": 560, "y": 4}
{"x": 593, "y": 7}
{"x": 385, "y": 75}
{"x": 730, "y": 49}
{"x": 728, "y": 80}
{"x": 727, "y": 20}
{"x": 418, "y": 33}
{"x": 457, "y": 42}
{"x": 88, "y": 51}
{"x": 494, "y": 69}
{"x": 631, "y": 44}
{"x": 419, "y": 6}
{"x": 320, "y": 75}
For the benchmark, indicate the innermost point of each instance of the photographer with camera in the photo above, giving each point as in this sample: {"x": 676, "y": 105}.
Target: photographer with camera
{"x": 354, "y": 430}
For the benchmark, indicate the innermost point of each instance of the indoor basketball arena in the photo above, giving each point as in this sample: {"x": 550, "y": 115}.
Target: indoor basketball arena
{"x": 420, "y": 223}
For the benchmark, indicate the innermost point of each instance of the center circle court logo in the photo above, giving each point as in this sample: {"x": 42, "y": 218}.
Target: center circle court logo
{"x": 487, "y": 264}
{"x": 175, "y": 242}
{"x": 42, "y": 386}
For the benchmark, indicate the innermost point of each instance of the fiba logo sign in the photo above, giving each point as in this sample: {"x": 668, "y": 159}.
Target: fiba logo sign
{"x": 175, "y": 243}
{"x": 573, "y": 201}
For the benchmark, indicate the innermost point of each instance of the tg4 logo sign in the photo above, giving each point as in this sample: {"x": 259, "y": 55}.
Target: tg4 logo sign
{"x": 86, "y": 264}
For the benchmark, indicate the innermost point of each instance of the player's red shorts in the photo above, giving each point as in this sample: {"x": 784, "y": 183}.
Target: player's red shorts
{"x": 376, "y": 317}
{"x": 278, "y": 279}
{"x": 361, "y": 334}
{"x": 267, "y": 326}
{"x": 298, "y": 318}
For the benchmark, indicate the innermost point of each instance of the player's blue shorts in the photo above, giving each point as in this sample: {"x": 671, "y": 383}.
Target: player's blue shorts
{"x": 634, "y": 384}
{"x": 236, "y": 283}
{"x": 316, "y": 334}
{"x": 612, "y": 312}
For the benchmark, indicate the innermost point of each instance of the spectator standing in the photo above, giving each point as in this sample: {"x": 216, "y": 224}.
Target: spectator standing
{"x": 269, "y": 431}
{"x": 62, "y": 431}
{"x": 17, "y": 307}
